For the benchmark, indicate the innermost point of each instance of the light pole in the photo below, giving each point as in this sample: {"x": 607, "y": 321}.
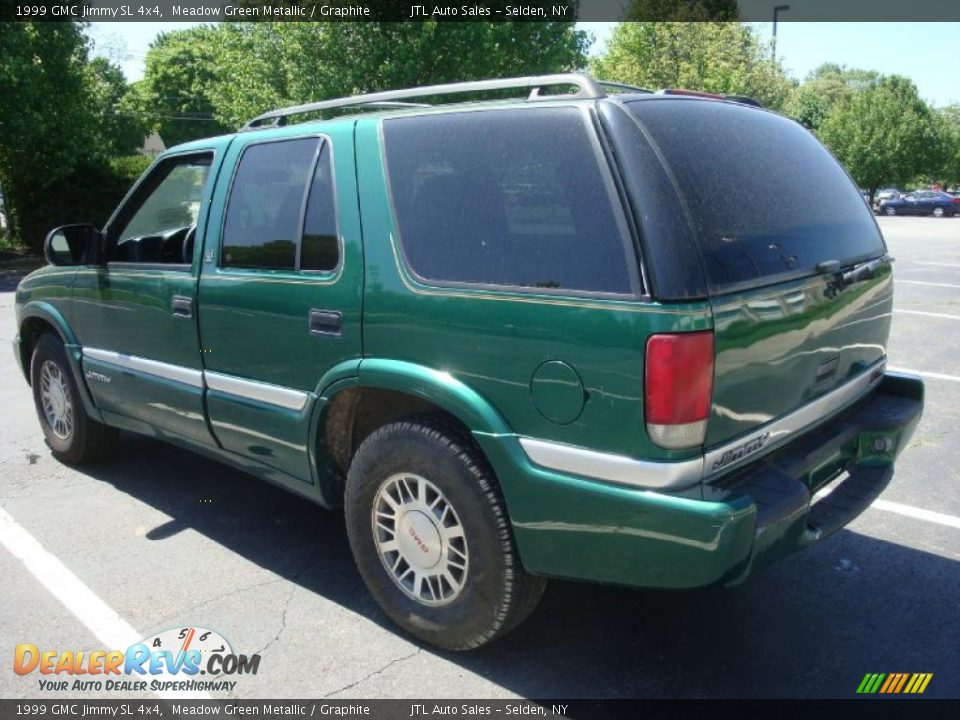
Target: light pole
{"x": 776, "y": 10}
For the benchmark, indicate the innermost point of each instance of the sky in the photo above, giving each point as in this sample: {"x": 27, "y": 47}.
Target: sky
{"x": 924, "y": 52}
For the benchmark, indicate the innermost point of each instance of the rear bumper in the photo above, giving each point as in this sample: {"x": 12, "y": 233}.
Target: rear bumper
{"x": 717, "y": 532}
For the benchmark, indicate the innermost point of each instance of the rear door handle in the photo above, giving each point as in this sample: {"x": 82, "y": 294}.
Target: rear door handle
{"x": 326, "y": 322}
{"x": 182, "y": 306}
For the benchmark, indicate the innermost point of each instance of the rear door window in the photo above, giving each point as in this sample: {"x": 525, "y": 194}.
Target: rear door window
{"x": 766, "y": 199}
{"x": 268, "y": 200}
{"x": 514, "y": 198}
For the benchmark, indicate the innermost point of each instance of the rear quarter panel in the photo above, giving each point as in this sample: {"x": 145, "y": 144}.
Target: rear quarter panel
{"x": 493, "y": 341}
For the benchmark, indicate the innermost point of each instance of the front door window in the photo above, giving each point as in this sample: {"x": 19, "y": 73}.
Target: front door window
{"x": 159, "y": 223}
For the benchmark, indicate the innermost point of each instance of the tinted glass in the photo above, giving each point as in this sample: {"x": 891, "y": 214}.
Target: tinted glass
{"x": 766, "y": 198}
{"x": 320, "y": 249}
{"x": 262, "y": 226}
{"x": 506, "y": 197}
{"x": 175, "y": 191}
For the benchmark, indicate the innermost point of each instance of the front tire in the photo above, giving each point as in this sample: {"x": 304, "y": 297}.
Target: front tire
{"x": 72, "y": 436}
{"x": 889, "y": 211}
{"x": 431, "y": 537}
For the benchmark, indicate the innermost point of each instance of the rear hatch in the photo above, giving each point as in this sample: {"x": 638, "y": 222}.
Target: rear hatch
{"x": 774, "y": 222}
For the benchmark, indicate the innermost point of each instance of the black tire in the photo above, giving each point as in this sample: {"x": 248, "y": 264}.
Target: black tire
{"x": 889, "y": 210}
{"x": 938, "y": 212}
{"x": 496, "y": 593}
{"x": 82, "y": 440}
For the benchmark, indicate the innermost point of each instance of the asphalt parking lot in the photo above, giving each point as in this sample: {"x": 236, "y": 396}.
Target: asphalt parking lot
{"x": 158, "y": 538}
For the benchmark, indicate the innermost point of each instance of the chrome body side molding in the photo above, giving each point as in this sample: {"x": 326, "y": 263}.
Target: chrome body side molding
{"x": 613, "y": 468}
{"x": 261, "y": 392}
{"x": 717, "y": 461}
{"x": 166, "y": 371}
{"x": 280, "y": 396}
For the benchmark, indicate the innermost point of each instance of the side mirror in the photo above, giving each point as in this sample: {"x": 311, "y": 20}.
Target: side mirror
{"x": 73, "y": 245}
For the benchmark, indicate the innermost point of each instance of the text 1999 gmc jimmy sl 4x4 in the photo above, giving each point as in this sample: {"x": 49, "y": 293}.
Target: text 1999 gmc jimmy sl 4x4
{"x": 590, "y": 332}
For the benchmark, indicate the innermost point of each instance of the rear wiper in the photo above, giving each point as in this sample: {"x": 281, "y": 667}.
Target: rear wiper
{"x": 865, "y": 270}
{"x": 858, "y": 273}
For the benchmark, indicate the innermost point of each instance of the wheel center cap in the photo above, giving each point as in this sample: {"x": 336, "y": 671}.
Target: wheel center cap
{"x": 419, "y": 539}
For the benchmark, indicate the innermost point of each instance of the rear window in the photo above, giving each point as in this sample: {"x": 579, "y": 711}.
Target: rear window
{"x": 767, "y": 200}
{"x": 512, "y": 198}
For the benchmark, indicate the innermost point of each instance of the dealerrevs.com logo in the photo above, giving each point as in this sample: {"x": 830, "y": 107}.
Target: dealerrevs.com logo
{"x": 190, "y": 659}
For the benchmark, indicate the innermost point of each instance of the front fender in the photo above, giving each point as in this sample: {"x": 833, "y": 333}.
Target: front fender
{"x": 49, "y": 314}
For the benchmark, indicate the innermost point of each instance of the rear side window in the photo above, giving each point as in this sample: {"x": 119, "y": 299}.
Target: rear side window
{"x": 279, "y": 216}
{"x": 767, "y": 200}
{"x": 507, "y": 197}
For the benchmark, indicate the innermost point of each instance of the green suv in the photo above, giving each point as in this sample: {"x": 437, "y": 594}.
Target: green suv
{"x": 578, "y": 330}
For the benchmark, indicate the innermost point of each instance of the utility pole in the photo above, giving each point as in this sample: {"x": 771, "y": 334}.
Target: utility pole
{"x": 777, "y": 10}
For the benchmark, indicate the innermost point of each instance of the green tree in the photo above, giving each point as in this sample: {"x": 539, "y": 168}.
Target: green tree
{"x": 716, "y": 57}
{"x": 182, "y": 66}
{"x": 885, "y": 134}
{"x": 120, "y": 128}
{"x": 46, "y": 124}
{"x": 948, "y": 127}
{"x": 811, "y": 102}
{"x": 275, "y": 64}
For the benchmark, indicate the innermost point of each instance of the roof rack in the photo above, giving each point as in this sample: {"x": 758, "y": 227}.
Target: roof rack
{"x": 534, "y": 86}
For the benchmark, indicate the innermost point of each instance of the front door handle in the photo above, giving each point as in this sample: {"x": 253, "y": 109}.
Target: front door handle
{"x": 182, "y": 306}
{"x": 326, "y": 322}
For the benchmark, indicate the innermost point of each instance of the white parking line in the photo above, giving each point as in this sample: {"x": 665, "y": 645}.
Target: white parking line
{"x": 898, "y": 281}
{"x": 924, "y": 373}
{"x": 936, "y": 264}
{"x": 918, "y": 513}
{"x": 928, "y": 314}
{"x": 98, "y": 617}
{"x": 899, "y": 508}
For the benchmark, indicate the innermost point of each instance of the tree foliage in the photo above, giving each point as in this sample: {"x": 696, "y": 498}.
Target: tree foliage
{"x": 46, "y": 124}
{"x": 811, "y": 102}
{"x": 119, "y": 127}
{"x": 275, "y": 64}
{"x": 948, "y": 127}
{"x": 883, "y": 134}
{"x": 716, "y": 57}
{"x": 62, "y": 126}
{"x": 174, "y": 96}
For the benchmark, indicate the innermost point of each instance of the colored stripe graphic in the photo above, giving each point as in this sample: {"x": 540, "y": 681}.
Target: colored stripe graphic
{"x": 894, "y": 683}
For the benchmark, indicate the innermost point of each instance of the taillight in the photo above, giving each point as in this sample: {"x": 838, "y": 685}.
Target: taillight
{"x": 678, "y": 386}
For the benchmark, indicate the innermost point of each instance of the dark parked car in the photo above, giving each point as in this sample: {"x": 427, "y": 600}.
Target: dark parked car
{"x": 922, "y": 202}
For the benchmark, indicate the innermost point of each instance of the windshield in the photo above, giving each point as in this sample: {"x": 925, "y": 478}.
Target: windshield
{"x": 766, "y": 199}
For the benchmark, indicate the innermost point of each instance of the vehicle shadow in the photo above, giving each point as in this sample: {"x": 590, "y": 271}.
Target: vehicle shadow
{"x": 811, "y": 626}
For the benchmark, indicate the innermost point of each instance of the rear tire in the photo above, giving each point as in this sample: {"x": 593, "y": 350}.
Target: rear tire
{"x": 73, "y": 437}
{"x": 938, "y": 212}
{"x": 431, "y": 537}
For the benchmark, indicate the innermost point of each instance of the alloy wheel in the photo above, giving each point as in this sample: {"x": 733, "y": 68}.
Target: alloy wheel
{"x": 55, "y": 399}
{"x": 420, "y": 539}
